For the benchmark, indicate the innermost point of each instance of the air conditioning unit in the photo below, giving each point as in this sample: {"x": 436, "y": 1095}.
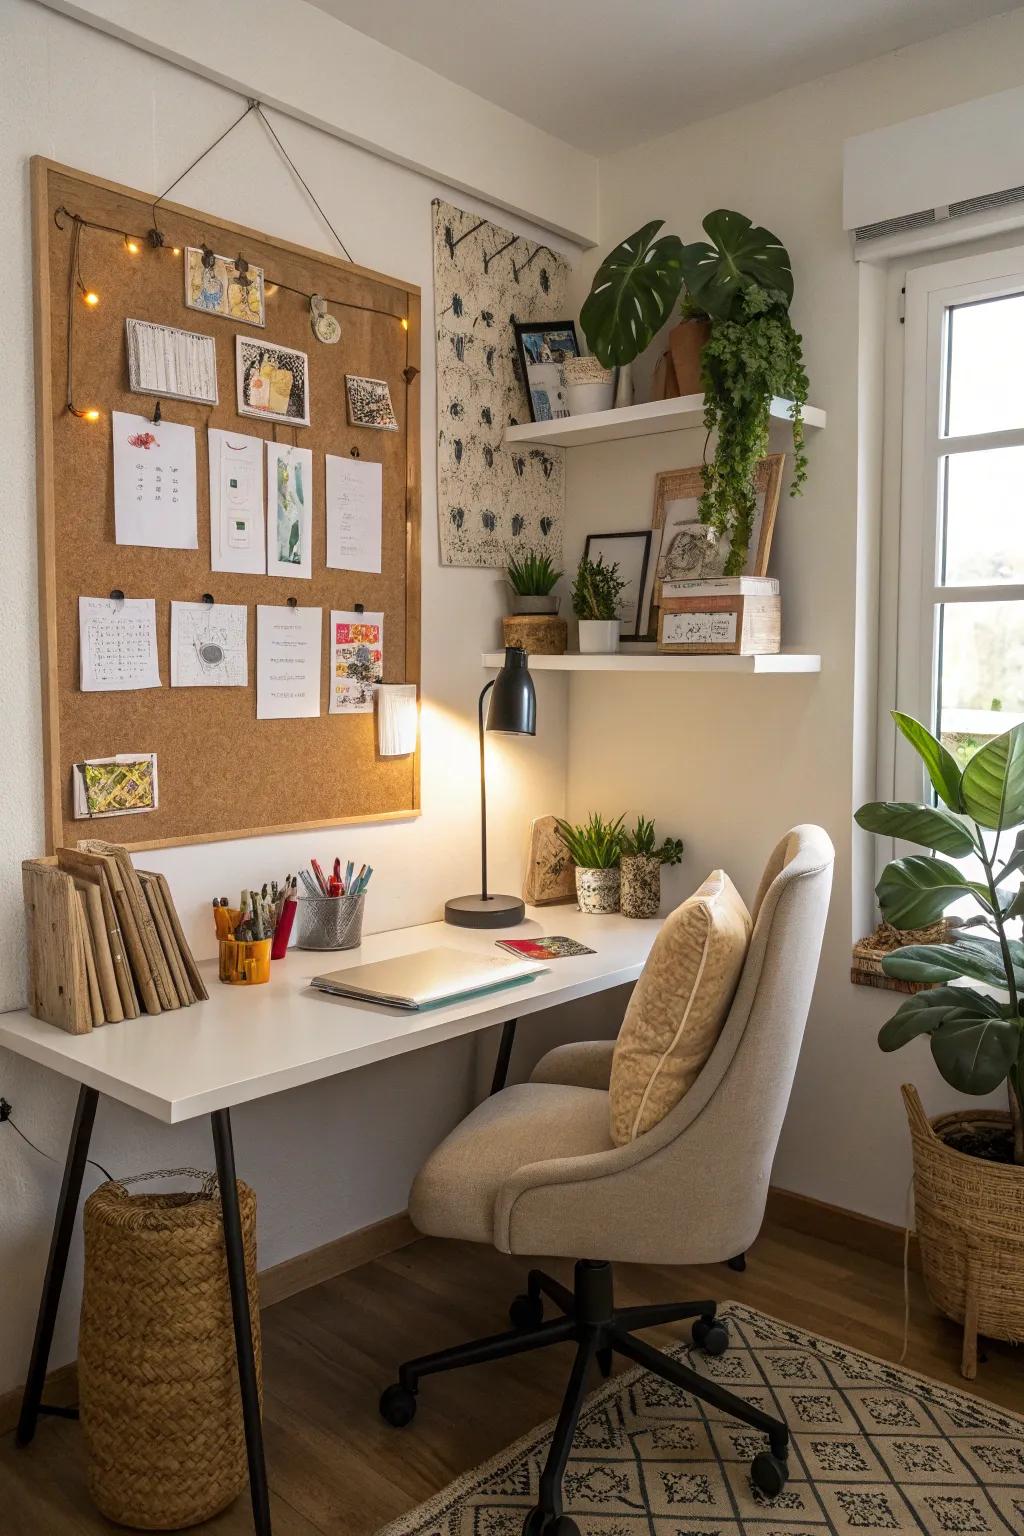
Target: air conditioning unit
{"x": 952, "y": 175}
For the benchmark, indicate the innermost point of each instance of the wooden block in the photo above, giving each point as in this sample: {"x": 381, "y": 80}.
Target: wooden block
{"x": 151, "y": 970}
{"x": 95, "y": 1001}
{"x": 139, "y": 964}
{"x": 704, "y": 625}
{"x": 192, "y": 971}
{"x": 90, "y": 867}
{"x": 58, "y": 982}
{"x": 153, "y": 896}
{"x": 106, "y": 975}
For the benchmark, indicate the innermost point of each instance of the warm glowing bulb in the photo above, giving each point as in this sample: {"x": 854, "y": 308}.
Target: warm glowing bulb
{"x": 90, "y": 298}
{"x": 405, "y": 324}
{"x": 91, "y": 414}
{"x": 176, "y": 250}
{"x": 132, "y": 246}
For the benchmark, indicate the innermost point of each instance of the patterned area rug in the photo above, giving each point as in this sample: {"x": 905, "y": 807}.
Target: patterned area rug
{"x": 876, "y": 1449}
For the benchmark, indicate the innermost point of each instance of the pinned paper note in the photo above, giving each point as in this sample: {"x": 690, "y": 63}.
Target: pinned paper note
{"x": 354, "y": 505}
{"x": 289, "y": 511}
{"x": 117, "y": 643}
{"x": 237, "y": 541}
{"x": 115, "y": 786}
{"x": 154, "y": 482}
{"x": 208, "y": 645}
{"x": 357, "y": 661}
{"x": 287, "y": 662}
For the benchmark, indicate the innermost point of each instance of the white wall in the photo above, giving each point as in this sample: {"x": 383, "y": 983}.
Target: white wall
{"x": 730, "y": 763}
{"x": 83, "y": 98}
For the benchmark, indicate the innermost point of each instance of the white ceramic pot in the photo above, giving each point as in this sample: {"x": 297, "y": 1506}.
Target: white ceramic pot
{"x": 625, "y": 390}
{"x": 584, "y": 398}
{"x": 597, "y": 890}
{"x": 599, "y": 637}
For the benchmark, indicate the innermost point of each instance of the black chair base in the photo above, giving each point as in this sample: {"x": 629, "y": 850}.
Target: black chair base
{"x": 599, "y": 1330}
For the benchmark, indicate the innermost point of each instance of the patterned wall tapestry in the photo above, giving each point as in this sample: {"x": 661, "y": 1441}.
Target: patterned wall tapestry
{"x": 491, "y": 498}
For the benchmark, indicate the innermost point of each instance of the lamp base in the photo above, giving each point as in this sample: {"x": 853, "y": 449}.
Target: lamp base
{"x": 484, "y": 912}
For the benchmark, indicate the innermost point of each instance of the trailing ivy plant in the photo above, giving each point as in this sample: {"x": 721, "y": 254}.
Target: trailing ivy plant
{"x": 977, "y": 1040}
{"x": 741, "y": 280}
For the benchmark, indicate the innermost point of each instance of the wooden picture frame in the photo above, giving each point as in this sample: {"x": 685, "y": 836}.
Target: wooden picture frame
{"x": 643, "y": 536}
{"x": 544, "y": 382}
{"x": 687, "y": 485}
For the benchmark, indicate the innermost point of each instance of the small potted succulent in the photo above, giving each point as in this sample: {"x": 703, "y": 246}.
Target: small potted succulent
{"x": 595, "y": 846}
{"x": 532, "y": 577}
{"x": 640, "y": 868}
{"x": 595, "y": 602}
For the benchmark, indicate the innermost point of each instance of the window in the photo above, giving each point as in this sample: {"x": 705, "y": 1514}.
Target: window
{"x": 960, "y": 641}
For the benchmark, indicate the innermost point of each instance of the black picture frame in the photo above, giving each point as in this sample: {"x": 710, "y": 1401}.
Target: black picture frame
{"x": 643, "y": 536}
{"x": 526, "y": 328}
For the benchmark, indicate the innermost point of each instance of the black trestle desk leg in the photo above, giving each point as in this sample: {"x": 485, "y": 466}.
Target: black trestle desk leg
{"x": 57, "y": 1262}
{"x": 235, "y": 1252}
{"x": 508, "y": 1040}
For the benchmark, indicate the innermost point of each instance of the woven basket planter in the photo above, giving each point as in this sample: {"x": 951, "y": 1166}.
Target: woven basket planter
{"x": 158, "y": 1383}
{"x": 969, "y": 1215}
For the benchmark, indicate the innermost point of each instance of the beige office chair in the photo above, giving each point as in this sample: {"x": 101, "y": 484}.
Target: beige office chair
{"x": 533, "y": 1170}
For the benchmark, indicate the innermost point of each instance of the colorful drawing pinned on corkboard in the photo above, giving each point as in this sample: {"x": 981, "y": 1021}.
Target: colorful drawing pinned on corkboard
{"x": 224, "y": 285}
{"x": 272, "y": 381}
{"x": 491, "y": 497}
{"x": 369, "y": 404}
{"x": 115, "y": 786}
{"x": 357, "y": 661}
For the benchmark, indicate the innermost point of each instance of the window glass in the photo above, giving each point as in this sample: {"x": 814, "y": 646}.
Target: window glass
{"x": 986, "y": 379}
{"x": 981, "y": 673}
{"x": 984, "y": 517}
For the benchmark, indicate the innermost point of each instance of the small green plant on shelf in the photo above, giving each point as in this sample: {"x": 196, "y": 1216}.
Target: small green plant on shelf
{"x": 594, "y": 843}
{"x": 531, "y": 574}
{"x": 642, "y": 841}
{"x": 597, "y": 589}
{"x": 977, "y": 1039}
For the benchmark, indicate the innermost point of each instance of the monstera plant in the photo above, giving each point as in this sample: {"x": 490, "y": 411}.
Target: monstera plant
{"x": 741, "y": 280}
{"x": 976, "y": 1038}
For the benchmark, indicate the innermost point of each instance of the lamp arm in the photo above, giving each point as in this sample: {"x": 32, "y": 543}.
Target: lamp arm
{"x": 483, "y": 793}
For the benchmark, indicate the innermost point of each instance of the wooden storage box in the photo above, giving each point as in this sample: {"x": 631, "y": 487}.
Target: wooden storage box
{"x": 720, "y": 626}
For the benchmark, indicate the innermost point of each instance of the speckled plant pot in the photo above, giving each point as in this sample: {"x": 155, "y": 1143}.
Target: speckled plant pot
{"x": 641, "y": 885}
{"x": 597, "y": 890}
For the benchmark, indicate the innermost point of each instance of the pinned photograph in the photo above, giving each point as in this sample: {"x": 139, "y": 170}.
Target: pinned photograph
{"x": 228, "y": 286}
{"x": 369, "y": 404}
{"x": 272, "y": 381}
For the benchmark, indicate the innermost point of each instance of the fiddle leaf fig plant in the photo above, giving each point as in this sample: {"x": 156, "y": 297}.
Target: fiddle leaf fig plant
{"x": 633, "y": 294}
{"x": 977, "y": 1040}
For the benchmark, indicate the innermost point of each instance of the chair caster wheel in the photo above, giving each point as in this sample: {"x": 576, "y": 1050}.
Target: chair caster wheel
{"x": 397, "y": 1405}
{"x": 768, "y": 1473}
{"x": 526, "y": 1312}
{"x": 710, "y": 1335}
{"x": 537, "y": 1523}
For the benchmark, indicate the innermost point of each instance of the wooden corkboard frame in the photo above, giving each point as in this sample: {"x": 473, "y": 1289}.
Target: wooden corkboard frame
{"x": 223, "y": 774}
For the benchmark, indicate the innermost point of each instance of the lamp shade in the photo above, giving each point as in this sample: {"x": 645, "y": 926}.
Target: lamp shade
{"x": 396, "y": 719}
{"x": 513, "y": 702}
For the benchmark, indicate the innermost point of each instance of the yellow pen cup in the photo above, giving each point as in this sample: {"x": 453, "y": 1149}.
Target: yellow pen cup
{"x": 244, "y": 964}
{"x": 226, "y": 920}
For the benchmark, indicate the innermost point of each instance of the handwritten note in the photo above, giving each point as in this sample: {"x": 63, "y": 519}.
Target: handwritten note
{"x": 354, "y": 505}
{"x": 154, "y": 482}
{"x": 117, "y": 644}
{"x": 698, "y": 629}
{"x": 287, "y": 662}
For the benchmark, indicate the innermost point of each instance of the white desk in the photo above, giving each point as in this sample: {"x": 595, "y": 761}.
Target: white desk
{"x": 248, "y": 1042}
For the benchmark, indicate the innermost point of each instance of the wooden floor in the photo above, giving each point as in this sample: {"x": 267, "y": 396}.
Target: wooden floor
{"x": 335, "y": 1467}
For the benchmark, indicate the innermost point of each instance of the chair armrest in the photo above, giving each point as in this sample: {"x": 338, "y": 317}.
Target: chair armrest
{"x": 580, "y": 1064}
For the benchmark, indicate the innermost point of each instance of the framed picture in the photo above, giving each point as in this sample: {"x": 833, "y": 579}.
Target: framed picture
{"x": 369, "y": 404}
{"x": 631, "y": 552}
{"x": 272, "y": 381}
{"x": 224, "y": 285}
{"x": 163, "y": 360}
{"x": 689, "y": 551}
{"x": 543, "y": 346}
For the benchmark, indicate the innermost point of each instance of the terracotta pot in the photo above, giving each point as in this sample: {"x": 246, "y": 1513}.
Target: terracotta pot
{"x": 597, "y": 890}
{"x": 641, "y": 885}
{"x": 686, "y": 343}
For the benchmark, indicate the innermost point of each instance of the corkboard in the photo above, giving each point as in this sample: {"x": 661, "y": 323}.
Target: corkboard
{"x": 222, "y": 772}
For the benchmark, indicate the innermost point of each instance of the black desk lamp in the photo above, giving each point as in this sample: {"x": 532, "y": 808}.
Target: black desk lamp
{"x": 513, "y": 709}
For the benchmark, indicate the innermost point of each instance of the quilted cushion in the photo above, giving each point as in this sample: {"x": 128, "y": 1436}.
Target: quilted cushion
{"x": 678, "y": 1006}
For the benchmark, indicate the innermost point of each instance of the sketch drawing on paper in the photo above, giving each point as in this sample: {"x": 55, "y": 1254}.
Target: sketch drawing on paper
{"x": 224, "y": 285}
{"x": 208, "y": 645}
{"x": 491, "y": 497}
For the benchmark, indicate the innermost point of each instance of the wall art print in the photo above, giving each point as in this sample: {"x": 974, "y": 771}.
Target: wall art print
{"x": 491, "y": 498}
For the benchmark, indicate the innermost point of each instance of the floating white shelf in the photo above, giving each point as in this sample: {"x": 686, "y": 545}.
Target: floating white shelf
{"x": 648, "y": 660}
{"x": 636, "y": 421}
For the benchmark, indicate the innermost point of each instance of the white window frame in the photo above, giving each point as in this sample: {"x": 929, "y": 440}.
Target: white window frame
{"x": 931, "y": 291}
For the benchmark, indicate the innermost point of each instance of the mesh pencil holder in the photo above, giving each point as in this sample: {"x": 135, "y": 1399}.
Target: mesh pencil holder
{"x": 329, "y": 922}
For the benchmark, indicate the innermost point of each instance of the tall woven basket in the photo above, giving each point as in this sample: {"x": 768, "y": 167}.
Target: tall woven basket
{"x": 158, "y": 1383}
{"x": 969, "y": 1215}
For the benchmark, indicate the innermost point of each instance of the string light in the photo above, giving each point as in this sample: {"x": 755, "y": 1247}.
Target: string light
{"x": 92, "y": 414}
{"x": 89, "y": 295}
{"x": 405, "y": 324}
{"x": 131, "y": 245}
